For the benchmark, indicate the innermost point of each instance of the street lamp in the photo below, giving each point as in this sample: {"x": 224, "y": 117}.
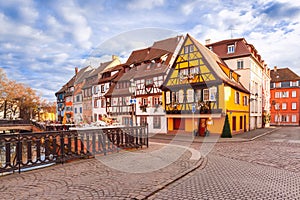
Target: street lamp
{"x": 132, "y": 89}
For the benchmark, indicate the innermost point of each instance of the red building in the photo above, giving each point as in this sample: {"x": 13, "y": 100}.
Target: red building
{"x": 285, "y": 97}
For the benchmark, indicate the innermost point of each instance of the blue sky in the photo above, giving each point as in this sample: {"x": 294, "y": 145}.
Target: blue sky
{"x": 41, "y": 42}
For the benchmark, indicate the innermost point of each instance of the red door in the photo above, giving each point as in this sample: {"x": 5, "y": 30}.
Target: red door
{"x": 179, "y": 124}
{"x": 202, "y": 126}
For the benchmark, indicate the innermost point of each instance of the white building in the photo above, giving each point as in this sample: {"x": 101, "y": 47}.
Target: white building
{"x": 244, "y": 59}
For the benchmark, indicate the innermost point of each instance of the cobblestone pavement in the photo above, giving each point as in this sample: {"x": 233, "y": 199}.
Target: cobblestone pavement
{"x": 267, "y": 168}
{"x": 225, "y": 178}
{"x": 91, "y": 179}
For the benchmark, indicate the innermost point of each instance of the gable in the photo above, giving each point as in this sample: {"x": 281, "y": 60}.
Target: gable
{"x": 190, "y": 66}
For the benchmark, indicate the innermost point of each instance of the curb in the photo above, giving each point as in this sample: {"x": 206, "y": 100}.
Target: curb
{"x": 176, "y": 178}
{"x": 261, "y": 135}
{"x": 226, "y": 140}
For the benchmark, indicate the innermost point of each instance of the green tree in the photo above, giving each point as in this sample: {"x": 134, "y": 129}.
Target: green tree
{"x": 226, "y": 133}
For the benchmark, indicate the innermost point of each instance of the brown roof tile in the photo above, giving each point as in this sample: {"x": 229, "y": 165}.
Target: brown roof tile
{"x": 283, "y": 74}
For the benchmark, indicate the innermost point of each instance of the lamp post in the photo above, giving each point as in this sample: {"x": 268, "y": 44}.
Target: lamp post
{"x": 132, "y": 89}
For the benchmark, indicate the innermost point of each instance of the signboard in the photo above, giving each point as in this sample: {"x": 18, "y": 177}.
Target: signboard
{"x": 132, "y": 101}
{"x": 194, "y": 109}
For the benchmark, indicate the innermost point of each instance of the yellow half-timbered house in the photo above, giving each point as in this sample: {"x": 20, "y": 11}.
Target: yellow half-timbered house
{"x": 200, "y": 90}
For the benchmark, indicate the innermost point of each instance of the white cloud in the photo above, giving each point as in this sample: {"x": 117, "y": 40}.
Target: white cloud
{"x": 149, "y": 4}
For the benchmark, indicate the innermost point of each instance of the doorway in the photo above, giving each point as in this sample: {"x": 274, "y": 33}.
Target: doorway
{"x": 179, "y": 124}
{"x": 202, "y": 126}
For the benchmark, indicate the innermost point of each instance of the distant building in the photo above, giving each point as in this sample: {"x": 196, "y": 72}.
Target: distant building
{"x": 244, "y": 59}
{"x": 91, "y": 87}
{"x": 285, "y": 97}
{"x": 77, "y": 95}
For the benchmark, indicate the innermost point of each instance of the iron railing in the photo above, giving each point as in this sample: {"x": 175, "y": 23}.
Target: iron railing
{"x": 28, "y": 150}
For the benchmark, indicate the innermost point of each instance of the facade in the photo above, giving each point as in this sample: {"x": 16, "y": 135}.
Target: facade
{"x": 65, "y": 102}
{"x": 201, "y": 90}
{"x": 244, "y": 59}
{"x": 144, "y": 71}
{"x": 91, "y": 87}
{"x": 99, "y": 100}
{"x": 77, "y": 95}
{"x": 149, "y": 77}
{"x": 285, "y": 97}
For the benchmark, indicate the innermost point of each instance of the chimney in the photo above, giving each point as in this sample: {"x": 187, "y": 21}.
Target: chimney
{"x": 275, "y": 68}
{"x": 76, "y": 70}
{"x": 114, "y": 57}
{"x": 207, "y": 41}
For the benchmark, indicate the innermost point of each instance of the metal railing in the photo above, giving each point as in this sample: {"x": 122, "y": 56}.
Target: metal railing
{"x": 28, "y": 150}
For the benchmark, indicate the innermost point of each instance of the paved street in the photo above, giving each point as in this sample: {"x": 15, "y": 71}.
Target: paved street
{"x": 265, "y": 168}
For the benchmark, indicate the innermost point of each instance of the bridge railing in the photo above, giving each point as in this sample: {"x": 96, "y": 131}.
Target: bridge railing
{"x": 28, "y": 150}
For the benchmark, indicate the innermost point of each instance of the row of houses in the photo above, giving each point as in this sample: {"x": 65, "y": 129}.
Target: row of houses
{"x": 175, "y": 84}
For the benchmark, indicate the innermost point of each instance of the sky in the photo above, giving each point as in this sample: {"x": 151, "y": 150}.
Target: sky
{"x": 41, "y": 42}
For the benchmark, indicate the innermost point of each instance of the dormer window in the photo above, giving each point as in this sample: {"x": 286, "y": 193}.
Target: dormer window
{"x": 230, "y": 48}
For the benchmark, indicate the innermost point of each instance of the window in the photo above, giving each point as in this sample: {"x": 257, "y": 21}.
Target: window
{"x": 283, "y": 106}
{"x": 189, "y": 48}
{"x": 294, "y": 83}
{"x": 190, "y": 95}
{"x": 245, "y": 100}
{"x": 285, "y": 84}
{"x": 168, "y": 100}
{"x": 205, "y": 95}
{"x": 155, "y": 101}
{"x": 198, "y": 95}
{"x": 144, "y": 101}
{"x": 285, "y": 118}
{"x": 277, "y": 106}
{"x": 230, "y": 49}
{"x": 80, "y": 110}
{"x": 294, "y": 118}
{"x": 102, "y": 89}
{"x": 194, "y": 70}
{"x": 212, "y": 93}
{"x": 241, "y": 122}
{"x": 149, "y": 81}
{"x": 277, "y": 94}
{"x": 95, "y": 103}
{"x": 126, "y": 120}
{"x": 143, "y": 120}
{"x": 103, "y": 103}
{"x": 294, "y": 106}
{"x": 75, "y": 110}
{"x": 285, "y": 94}
{"x": 237, "y": 98}
{"x": 294, "y": 93}
{"x": 181, "y": 96}
{"x": 240, "y": 64}
{"x": 156, "y": 122}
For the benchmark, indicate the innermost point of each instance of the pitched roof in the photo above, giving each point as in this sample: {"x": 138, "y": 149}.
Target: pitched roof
{"x": 82, "y": 74}
{"x": 215, "y": 62}
{"x": 283, "y": 74}
{"x": 137, "y": 56}
{"x": 241, "y": 48}
{"x": 69, "y": 84}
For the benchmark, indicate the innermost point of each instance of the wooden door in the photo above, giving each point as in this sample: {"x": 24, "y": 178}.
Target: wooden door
{"x": 202, "y": 126}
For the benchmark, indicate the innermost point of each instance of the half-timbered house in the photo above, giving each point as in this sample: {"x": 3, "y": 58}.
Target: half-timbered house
{"x": 149, "y": 75}
{"x": 201, "y": 90}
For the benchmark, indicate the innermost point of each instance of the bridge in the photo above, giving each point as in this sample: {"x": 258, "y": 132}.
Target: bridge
{"x": 26, "y": 150}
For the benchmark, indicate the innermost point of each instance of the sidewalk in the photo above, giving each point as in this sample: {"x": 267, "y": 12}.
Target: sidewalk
{"x": 243, "y": 137}
{"x": 124, "y": 175}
